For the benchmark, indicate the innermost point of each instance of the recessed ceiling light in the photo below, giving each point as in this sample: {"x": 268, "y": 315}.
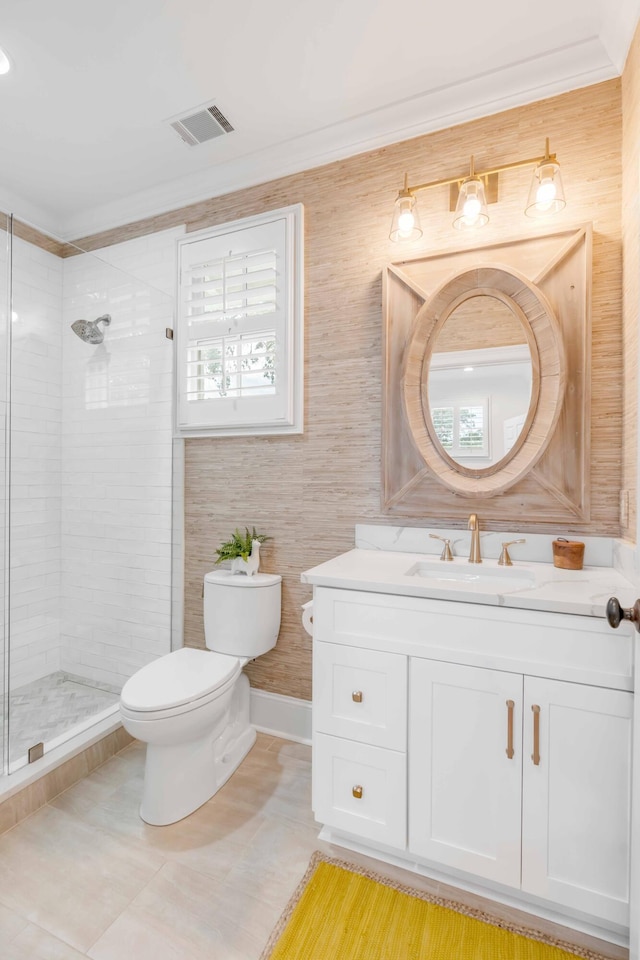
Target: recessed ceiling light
{"x": 5, "y": 63}
{"x": 467, "y": 369}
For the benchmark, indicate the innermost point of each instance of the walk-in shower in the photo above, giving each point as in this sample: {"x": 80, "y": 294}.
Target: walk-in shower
{"x": 85, "y": 480}
{"x": 89, "y": 331}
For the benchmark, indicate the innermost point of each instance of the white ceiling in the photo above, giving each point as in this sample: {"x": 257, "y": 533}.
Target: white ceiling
{"x": 84, "y": 139}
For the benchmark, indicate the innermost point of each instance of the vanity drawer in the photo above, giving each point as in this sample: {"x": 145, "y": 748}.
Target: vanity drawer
{"x": 360, "y": 694}
{"x": 361, "y": 790}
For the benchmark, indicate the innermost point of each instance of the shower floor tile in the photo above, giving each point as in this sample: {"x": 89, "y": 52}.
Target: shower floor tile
{"x": 48, "y": 707}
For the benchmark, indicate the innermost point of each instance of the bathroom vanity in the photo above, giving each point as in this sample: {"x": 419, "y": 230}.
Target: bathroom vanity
{"x": 473, "y": 722}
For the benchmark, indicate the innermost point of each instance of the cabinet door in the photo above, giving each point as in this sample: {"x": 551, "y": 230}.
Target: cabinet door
{"x": 576, "y": 798}
{"x": 464, "y": 782}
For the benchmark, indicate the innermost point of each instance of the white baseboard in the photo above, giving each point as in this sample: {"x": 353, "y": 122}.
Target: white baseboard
{"x": 281, "y": 716}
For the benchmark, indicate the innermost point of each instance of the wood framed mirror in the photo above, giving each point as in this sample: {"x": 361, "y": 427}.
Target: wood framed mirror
{"x": 486, "y": 381}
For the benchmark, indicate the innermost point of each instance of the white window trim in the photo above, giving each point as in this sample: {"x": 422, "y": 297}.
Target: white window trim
{"x": 293, "y": 422}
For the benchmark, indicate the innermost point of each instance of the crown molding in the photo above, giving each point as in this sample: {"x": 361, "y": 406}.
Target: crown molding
{"x": 29, "y": 213}
{"x": 618, "y": 30}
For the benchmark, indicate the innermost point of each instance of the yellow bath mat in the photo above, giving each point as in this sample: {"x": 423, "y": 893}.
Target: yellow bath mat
{"x": 340, "y": 912}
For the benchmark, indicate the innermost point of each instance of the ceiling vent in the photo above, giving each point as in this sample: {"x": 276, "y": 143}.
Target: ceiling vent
{"x": 204, "y": 124}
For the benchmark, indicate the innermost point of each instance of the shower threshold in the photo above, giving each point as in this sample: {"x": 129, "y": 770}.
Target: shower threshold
{"x": 50, "y": 708}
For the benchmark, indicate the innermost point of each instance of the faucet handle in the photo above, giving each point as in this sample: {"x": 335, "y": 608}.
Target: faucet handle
{"x": 505, "y": 559}
{"x": 446, "y": 550}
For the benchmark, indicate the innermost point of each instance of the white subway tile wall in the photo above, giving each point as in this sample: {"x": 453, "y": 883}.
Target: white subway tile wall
{"x": 116, "y": 472}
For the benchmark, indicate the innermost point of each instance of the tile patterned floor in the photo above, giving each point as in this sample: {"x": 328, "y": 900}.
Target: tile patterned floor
{"x": 85, "y": 877}
{"x": 48, "y": 707}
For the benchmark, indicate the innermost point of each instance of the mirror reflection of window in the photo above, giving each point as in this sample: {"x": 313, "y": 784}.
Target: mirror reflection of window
{"x": 478, "y": 386}
{"x": 463, "y": 427}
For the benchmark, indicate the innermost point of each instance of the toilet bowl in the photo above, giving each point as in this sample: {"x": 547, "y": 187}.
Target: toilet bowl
{"x": 191, "y": 707}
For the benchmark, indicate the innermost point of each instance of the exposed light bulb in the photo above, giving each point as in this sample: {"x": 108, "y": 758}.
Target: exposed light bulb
{"x": 546, "y": 193}
{"x": 406, "y": 222}
{"x": 471, "y": 209}
{"x": 406, "y": 219}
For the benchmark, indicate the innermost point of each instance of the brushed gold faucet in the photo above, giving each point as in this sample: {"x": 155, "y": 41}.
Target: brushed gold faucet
{"x": 474, "y": 551}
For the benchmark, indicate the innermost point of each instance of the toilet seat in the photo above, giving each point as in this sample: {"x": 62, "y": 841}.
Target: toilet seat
{"x": 177, "y": 683}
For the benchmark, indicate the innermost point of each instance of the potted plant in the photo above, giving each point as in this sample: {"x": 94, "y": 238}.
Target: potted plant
{"x": 243, "y": 550}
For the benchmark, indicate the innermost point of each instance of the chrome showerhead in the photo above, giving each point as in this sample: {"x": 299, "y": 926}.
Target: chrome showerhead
{"x": 89, "y": 331}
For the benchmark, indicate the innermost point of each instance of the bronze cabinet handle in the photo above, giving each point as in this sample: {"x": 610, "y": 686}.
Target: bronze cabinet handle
{"x": 510, "y": 751}
{"x": 356, "y": 696}
{"x": 357, "y": 792}
{"x": 535, "y": 756}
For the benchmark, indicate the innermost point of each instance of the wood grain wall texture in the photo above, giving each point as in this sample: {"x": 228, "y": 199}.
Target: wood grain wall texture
{"x": 308, "y": 492}
{"x": 631, "y": 279}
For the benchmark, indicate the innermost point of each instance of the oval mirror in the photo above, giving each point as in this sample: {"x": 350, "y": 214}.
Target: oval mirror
{"x": 494, "y": 315}
{"x": 477, "y": 385}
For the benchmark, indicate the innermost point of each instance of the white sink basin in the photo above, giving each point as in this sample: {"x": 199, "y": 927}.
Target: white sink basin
{"x": 470, "y": 574}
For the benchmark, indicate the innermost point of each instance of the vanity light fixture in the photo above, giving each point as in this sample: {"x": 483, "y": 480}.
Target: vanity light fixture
{"x": 546, "y": 195}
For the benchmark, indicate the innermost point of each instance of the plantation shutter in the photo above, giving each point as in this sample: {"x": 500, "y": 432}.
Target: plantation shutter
{"x": 463, "y": 427}
{"x": 239, "y": 336}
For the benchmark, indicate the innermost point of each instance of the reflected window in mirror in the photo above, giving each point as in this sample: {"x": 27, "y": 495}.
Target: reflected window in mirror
{"x": 463, "y": 427}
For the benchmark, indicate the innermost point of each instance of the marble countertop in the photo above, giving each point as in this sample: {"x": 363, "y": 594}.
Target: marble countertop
{"x": 525, "y": 585}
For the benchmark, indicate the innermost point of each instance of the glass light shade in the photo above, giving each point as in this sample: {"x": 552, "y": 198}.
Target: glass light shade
{"x": 406, "y": 220}
{"x": 5, "y": 63}
{"x": 546, "y": 194}
{"x": 471, "y": 208}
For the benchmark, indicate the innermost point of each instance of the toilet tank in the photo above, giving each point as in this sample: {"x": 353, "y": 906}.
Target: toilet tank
{"x": 241, "y": 613}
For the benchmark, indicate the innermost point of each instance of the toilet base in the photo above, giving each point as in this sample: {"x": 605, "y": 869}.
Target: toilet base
{"x": 179, "y": 778}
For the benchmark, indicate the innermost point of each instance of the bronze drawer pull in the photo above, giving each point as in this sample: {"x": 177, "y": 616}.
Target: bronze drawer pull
{"x": 357, "y": 792}
{"x": 356, "y": 696}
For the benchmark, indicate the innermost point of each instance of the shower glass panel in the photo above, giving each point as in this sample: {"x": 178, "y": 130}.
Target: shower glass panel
{"x": 90, "y": 511}
{"x": 5, "y": 313}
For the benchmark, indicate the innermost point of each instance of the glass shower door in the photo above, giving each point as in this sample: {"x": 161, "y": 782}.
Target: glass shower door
{"x": 5, "y": 314}
{"x": 90, "y": 476}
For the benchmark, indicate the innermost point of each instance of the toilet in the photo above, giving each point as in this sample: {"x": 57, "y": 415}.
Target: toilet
{"x": 191, "y": 707}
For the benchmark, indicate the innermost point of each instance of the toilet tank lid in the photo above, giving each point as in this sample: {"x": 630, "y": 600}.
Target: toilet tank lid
{"x": 241, "y": 579}
{"x": 183, "y": 676}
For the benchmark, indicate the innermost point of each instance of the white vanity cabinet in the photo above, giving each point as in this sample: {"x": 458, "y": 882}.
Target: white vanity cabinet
{"x": 481, "y": 741}
{"x": 523, "y": 781}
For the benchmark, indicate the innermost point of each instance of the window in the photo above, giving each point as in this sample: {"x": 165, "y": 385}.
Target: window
{"x": 239, "y": 365}
{"x": 462, "y": 427}
{"x": 240, "y": 331}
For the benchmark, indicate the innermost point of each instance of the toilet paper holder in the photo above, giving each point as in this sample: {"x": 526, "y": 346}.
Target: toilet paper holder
{"x": 307, "y": 617}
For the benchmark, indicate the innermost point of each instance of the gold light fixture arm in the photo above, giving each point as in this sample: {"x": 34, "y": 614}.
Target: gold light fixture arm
{"x": 409, "y": 191}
